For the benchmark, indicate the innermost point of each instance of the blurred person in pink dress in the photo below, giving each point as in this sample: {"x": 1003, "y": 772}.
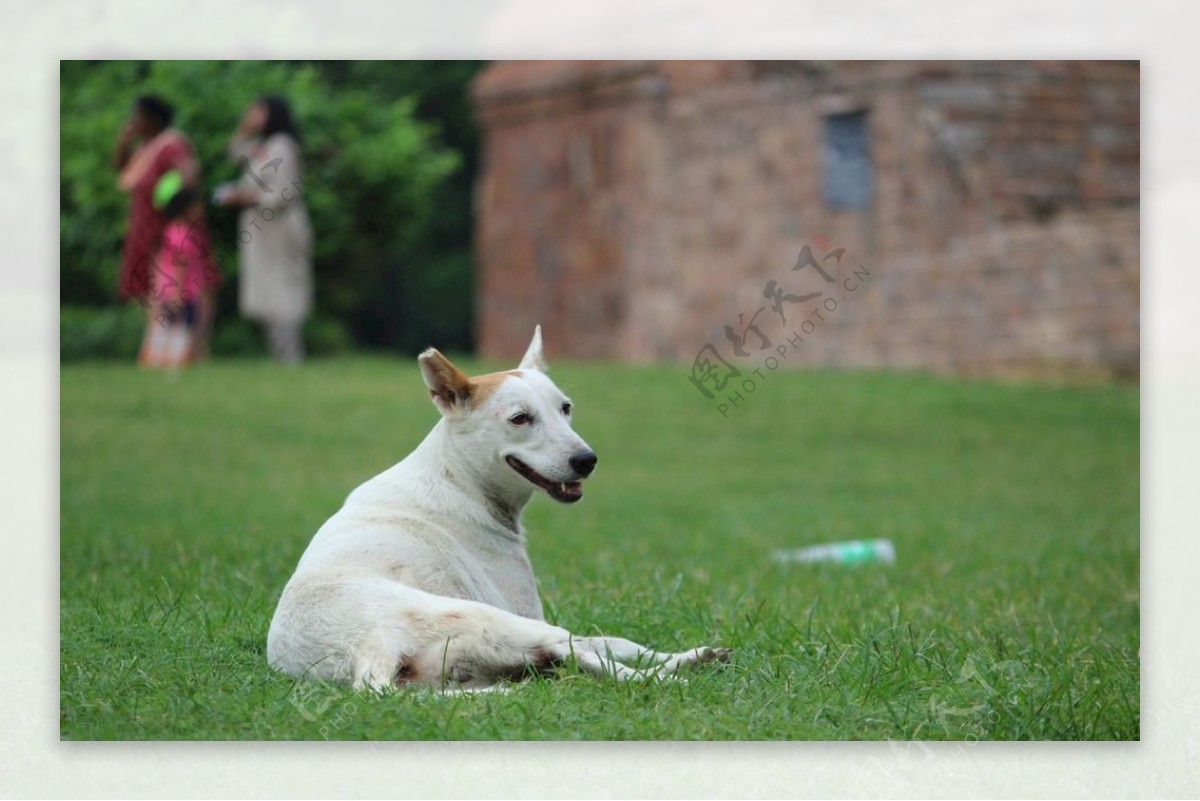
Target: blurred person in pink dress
{"x": 147, "y": 149}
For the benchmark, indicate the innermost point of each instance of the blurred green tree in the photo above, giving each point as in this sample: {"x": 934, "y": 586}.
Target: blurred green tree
{"x": 389, "y": 164}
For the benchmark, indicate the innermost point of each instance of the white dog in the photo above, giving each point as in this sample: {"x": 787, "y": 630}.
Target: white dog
{"x": 423, "y": 578}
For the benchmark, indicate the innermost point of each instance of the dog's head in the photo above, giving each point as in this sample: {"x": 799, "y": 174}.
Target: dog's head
{"x": 515, "y": 425}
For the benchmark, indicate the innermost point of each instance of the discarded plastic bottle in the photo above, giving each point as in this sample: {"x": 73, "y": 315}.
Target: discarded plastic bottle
{"x": 844, "y": 553}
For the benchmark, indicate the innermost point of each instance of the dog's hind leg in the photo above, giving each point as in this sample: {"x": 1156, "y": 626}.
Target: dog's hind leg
{"x": 629, "y": 652}
{"x": 468, "y": 645}
{"x": 389, "y": 634}
{"x": 620, "y": 649}
{"x": 696, "y": 656}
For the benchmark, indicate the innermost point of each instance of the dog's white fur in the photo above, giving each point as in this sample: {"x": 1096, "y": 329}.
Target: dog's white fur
{"x": 423, "y": 578}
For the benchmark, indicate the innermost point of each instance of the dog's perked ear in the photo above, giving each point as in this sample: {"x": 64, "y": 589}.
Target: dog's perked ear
{"x": 533, "y": 358}
{"x": 449, "y": 387}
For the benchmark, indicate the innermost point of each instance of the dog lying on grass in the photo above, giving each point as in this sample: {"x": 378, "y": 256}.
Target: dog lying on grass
{"x": 422, "y": 577}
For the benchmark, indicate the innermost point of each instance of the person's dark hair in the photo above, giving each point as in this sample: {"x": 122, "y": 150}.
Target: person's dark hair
{"x": 155, "y": 109}
{"x": 179, "y": 203}
{"x": 279, "y": 118}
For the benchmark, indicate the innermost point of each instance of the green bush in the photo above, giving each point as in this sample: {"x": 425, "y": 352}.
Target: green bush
{"x": 109, "y": 333}
{"x": 115, "y": 332}
{"x": 384, "y": 186}
{"x": 237, "y": 337}
{"x": 325, "y": 336}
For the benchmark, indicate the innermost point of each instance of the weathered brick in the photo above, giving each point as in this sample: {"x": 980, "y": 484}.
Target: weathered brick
{"x": 636, "y": 208}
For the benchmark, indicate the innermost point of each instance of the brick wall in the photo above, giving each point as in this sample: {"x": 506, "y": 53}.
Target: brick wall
{"x": 635, "y": 209}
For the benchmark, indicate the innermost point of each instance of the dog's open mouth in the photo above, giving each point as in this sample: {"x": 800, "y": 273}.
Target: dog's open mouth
{"x": 562, "y": 491}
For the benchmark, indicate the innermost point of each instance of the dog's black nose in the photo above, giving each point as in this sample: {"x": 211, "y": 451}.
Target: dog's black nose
{"x": 583, "y": 462}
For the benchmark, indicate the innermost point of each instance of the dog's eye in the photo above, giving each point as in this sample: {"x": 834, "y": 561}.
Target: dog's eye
{"x": 566, "y": 408}
{"x": 521, "y": 419}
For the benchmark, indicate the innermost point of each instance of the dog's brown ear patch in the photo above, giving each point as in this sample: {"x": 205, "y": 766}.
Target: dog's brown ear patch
{"x": 482, "y": 386}
{"x": 449, "y": 387}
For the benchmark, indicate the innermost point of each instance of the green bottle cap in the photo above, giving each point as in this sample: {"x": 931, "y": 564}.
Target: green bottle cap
{"x": 857, "y": 552}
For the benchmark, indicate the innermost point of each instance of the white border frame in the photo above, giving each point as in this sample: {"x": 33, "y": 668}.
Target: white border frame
{"x": 1161, "y": 33}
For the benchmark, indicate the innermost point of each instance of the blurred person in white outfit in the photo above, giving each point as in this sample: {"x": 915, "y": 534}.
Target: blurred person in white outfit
{"x": 275, "y": 284}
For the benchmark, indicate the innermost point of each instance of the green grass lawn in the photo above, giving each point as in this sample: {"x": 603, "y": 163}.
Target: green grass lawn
{"x": 1011, "y": 612}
